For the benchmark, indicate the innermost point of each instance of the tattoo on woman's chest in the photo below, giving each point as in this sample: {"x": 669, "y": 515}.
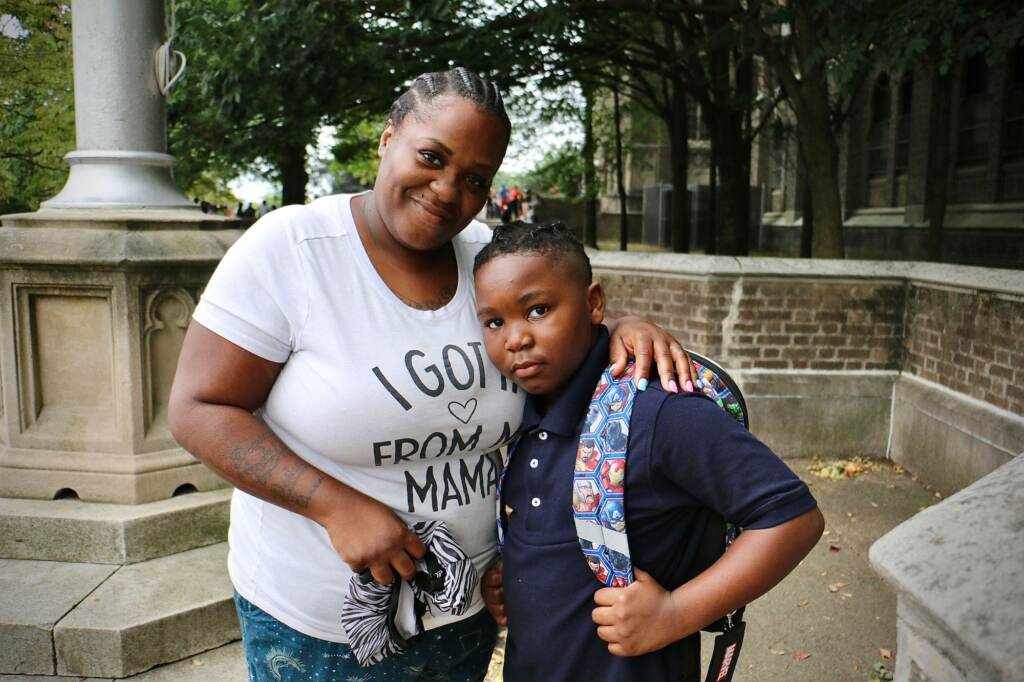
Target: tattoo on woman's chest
{"x": 443, "y": 297}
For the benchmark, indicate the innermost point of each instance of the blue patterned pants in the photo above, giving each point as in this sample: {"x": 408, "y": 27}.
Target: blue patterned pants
{"x": 277, "y": 653}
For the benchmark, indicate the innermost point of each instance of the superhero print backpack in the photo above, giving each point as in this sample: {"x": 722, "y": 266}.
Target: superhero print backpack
{"x": 598, "y": 487}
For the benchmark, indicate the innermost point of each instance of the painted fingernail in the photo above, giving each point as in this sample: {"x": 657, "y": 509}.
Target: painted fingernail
{"x": 688, "y": 386}
{"x": 641, "y": 385}
{"x": 673, "y": 386}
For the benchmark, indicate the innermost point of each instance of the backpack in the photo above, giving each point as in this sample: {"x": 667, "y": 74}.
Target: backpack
{"x": 598, "y": 500}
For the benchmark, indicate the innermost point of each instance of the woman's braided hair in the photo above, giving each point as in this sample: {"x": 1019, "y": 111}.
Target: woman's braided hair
{"x": 460, "y": 82}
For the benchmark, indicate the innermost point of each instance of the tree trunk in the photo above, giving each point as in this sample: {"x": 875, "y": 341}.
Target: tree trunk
{"x": 710, "y": 229}
{"x": 817, "y": 142}
{"x": 623, "y": 217}
{"x": 821, "y": 155}
{"x": 679, "y": 154}
{"x": 292, "y": 166}
{"x": 730, "y": 200}
{"x": 937, "y": 172}
{"x": 589, "y": 171}
{"x": 807, "y": 221}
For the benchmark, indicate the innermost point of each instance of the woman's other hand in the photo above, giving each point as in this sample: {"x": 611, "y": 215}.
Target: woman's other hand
{"x": 642, "y": 340}
{"x": 493, "y": 590}
{"x": 367, "y": 535}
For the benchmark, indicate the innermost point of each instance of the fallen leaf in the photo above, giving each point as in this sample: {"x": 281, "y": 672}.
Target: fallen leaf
{"x": 886, "y": 654}
{"x": 801, "y": 656}
{"x": 842, "y": 468}
{"x": 879, "y": 673}
{"x": 803, "y": 603}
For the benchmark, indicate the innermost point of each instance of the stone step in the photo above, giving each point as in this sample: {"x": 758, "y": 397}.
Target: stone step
{"x": 149, "y": 613}
{"x": 34, "y": 596}
{"x": 90, "y": 532}
{"x": 223, "y": 664}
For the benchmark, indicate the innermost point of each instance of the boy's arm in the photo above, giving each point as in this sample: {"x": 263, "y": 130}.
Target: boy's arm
{"x": 644, "y": 617}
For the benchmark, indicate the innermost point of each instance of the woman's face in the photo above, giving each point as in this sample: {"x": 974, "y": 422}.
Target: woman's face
{"x": 435, "y": 171}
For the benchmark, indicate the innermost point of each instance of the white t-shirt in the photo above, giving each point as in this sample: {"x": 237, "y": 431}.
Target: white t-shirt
{"x": 398, "y": 403}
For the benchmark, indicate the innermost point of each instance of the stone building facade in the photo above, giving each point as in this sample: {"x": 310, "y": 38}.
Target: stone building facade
{"x": 884, "y": 152}
{"x": 884, "y": 157}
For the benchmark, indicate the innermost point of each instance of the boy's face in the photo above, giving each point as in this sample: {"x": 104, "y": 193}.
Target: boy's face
{"x": 539, "y": 319}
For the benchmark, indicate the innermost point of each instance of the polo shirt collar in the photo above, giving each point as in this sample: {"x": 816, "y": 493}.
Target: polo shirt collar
{"x": 564, "y": 415}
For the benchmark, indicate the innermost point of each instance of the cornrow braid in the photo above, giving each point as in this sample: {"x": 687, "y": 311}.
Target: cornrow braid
{"x": 552, "y": 239}
{"x": 460, "y": 82}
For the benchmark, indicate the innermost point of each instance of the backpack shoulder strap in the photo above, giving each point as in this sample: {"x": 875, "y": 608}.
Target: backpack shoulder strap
{"x": 599, "y": 478}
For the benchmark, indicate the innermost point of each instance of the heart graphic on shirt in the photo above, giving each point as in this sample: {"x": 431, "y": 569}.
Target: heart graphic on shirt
{"x": 463, "y": 411}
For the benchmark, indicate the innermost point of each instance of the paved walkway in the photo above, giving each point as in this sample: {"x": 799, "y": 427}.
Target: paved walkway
{"x": 833, "y": 616}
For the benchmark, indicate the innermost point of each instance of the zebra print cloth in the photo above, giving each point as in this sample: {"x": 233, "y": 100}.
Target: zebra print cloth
{"x": 379, "y": 620}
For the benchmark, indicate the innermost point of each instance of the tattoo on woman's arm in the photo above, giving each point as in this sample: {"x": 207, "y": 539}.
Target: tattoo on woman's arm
{"x": 258, "y": 461}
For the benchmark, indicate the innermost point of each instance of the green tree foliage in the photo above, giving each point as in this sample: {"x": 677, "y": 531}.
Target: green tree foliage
{"x": 263, "y": 77}
{"x": 561, "y": 168}
{"x": 355, "y": 150}
{"x": 36, "y": 103}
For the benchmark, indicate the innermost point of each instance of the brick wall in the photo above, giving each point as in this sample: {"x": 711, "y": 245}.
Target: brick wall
{"x": 967, "y": 338}
{"x": 772, "y": 323}
{"x": 970, "y": 341}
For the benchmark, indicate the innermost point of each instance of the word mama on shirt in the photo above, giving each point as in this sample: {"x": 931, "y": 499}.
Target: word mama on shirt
{"x": 452, "y": 482}
{"x": 456, "y": 483}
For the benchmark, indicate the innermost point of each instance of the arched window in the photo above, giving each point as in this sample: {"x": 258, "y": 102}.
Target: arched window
{"x": 975, "y": 113}
{"x": 903, "y": 124}
{"x": 698, "y": 124}
{"x": 778, "y": 156}
{"x": 878, "y": 130}
{"x": 1013, "y": 124}
{"x": 1012, "y": 170}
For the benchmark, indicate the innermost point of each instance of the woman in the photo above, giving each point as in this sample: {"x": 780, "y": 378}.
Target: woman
{"x": 334, "y": 374}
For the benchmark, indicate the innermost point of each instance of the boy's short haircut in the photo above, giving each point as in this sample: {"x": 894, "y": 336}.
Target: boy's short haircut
{"x": 552, "y": 239}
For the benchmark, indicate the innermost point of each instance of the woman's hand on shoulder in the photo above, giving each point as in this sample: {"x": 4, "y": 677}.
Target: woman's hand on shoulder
{"x": 644, "y": 341}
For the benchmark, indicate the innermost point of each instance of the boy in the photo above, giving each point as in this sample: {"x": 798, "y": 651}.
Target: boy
{"x": 541, "y": 316}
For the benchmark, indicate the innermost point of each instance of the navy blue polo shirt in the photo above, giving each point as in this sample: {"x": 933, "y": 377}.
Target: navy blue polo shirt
{"x": 685, "y": 453}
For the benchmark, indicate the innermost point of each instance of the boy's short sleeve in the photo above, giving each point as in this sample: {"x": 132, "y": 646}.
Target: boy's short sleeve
{"x": 257, "y": 297}
{"x": 703, "y": 454}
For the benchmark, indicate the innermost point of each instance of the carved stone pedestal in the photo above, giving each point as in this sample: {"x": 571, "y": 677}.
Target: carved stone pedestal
{"x": 95, "y": 306}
